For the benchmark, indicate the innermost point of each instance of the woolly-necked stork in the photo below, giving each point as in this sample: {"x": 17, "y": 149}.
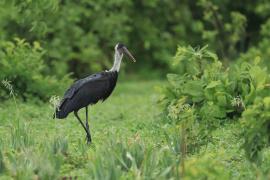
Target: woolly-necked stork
{"x": 90, "y": 90}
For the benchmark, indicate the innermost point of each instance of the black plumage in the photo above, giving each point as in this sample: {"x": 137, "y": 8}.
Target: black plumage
{"x": 87, "y": 91}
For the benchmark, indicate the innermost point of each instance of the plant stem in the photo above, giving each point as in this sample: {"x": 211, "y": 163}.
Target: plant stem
{"x": 183, "y": 149}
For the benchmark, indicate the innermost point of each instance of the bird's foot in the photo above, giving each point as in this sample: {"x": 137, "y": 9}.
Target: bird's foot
{"x": 88, "y": 139}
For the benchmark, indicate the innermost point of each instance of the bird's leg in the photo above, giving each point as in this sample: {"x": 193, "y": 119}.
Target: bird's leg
{"x": 88, "y": 135}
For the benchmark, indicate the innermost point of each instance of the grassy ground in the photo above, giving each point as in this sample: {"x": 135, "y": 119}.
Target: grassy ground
{"x": 130, "y": 141}
{"x": 127, "y": 114}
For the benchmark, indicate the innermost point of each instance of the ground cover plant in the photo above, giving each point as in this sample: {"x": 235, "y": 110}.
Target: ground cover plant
{"x": 205, "y": 96}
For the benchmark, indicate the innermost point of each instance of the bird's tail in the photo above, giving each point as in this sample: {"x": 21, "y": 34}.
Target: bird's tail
{"x": 59, "y": 114}
{"x": 60, "y": 111}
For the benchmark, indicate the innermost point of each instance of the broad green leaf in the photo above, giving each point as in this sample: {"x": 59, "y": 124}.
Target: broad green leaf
{"x": 213, "y": 84}
{"x": 194, "y": 89}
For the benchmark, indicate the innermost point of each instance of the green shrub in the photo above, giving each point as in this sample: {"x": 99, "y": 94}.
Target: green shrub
{"x": 256, "y": 122}
{"x": 197, "y": 96}
{"x": 23, "y": 65}
{"x": 204, "y": 95}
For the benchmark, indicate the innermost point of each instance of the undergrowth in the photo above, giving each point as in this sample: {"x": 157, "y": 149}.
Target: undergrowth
{"x": 204, "y": 96}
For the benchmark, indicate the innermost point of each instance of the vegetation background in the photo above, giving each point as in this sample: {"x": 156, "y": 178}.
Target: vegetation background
{"x": 182, "y": 112}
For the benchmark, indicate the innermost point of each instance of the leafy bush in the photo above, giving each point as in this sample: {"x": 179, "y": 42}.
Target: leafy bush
{"x": 204, "y": 95}
{"x": 197, "y": 95}
{"x": 256, "y": 122}
{"x": 23, "y": 64}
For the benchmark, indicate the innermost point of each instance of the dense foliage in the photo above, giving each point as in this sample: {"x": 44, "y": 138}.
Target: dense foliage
{"x": 24, "y": 65}
{"x": 204, "y": 96}
{"x": 260, "y": 52}
{"x": 79, "y": 35}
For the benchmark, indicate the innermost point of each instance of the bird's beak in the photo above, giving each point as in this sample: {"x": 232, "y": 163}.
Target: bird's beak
{"x": 126, "y": 51}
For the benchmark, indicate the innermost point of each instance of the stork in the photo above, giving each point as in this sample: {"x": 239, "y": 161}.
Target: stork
{"x": 91, "y": 89}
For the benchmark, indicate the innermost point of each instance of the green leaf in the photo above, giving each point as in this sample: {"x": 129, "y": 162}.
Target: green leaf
{"x": 213, "y": 84}
{"x": 194, "y": 89}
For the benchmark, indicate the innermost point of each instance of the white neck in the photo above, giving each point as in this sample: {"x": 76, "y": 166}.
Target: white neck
{"x": 117, "y": 61}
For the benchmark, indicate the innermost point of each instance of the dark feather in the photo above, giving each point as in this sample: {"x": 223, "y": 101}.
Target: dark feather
{"x": 87, "y": 91}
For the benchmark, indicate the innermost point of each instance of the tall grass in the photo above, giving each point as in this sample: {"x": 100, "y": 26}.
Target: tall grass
{"x": 7, "y": 84}
{"x": 133, "y": 159}
{"x": 29, "y": 159}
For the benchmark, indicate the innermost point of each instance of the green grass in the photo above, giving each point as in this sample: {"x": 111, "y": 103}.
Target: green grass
{"x": 128, "y": 115}
{"x": 129, "y": 142}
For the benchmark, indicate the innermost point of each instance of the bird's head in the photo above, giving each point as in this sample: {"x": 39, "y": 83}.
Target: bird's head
{"x": 122, "y": 49}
